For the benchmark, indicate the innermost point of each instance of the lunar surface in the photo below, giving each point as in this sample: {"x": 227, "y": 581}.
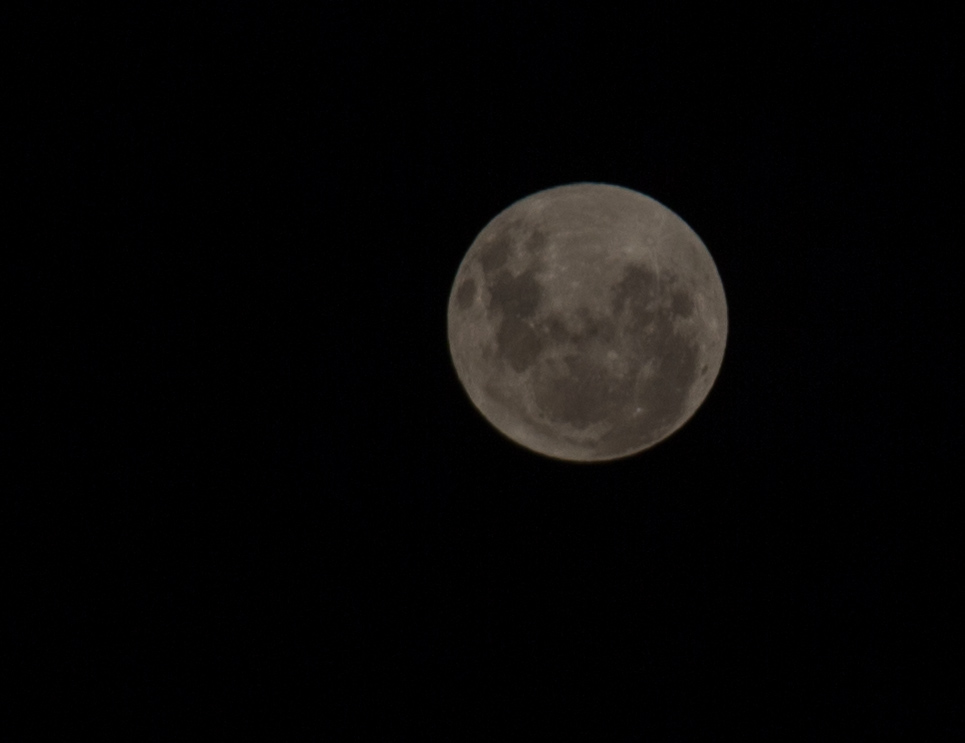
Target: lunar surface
{"x": 587, "y": 322}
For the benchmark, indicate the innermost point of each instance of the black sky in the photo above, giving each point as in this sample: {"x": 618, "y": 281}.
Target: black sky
{"x": 249, "y": 491}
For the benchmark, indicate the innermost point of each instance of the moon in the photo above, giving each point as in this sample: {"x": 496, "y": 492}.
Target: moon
{"x": 587, "y": 322}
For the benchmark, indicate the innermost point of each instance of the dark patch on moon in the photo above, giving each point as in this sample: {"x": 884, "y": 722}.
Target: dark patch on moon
{"x": 515, "y": 299}
{"x": 585, "y": 325}
{"x": 578, "y": 390}
{"x": 518, "y": 343}
{"x": 635, "y": 293}
{"x": 682, "y": 304}
{"x": 494, "y": 255}
{"x": 594, "y": 327}
{"x": 536, "y": 242}
{"x": 554, "y": 327}
{"x": 664, "y": 395}
{"x": 515, "y": 296}
{"x": 466, "y": 294}
{"x": 497, "y": 395}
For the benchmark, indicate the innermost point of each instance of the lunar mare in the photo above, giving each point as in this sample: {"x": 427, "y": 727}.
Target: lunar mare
{"x": 587, "y": 322}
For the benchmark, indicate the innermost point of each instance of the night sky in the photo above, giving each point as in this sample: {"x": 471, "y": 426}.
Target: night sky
{"x": 249, "y": 493}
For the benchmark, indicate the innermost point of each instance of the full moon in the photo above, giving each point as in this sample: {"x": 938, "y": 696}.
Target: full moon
{"x": 587, "y": 322}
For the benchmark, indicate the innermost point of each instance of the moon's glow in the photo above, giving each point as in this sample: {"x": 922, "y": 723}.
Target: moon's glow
{"x": 587, "y": 322}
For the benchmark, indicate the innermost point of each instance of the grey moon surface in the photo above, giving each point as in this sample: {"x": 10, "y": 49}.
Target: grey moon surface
{"x": 587, "y": 322}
